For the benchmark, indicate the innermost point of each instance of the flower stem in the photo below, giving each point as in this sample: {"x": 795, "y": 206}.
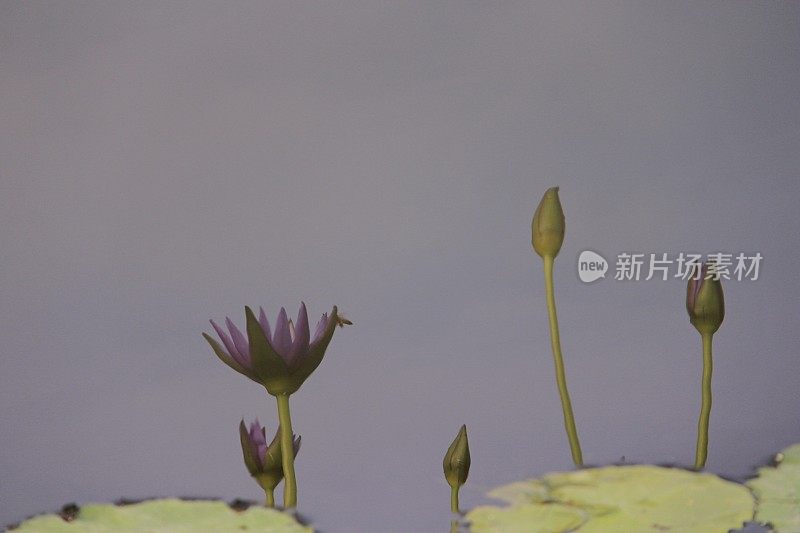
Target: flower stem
{"x": 454, "y": 500}
{"x": 561, "y": 378}
{"x": 705, "y": 410}
{"x": 270, "y": 500}
{"x": 287, "y": 453}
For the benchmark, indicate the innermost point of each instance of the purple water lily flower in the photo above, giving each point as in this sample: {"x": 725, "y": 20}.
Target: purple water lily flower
{"x": 289, "y": 341}
{"x": 280, "y": 360}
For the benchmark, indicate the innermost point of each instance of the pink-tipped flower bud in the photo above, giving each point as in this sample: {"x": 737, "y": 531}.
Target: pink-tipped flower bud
{"x": 705, "y": 301}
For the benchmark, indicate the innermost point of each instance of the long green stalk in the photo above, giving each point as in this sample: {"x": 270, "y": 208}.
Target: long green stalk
{"x": 287, "y": 453}
{"x": 705, "y": 410}
{"x": 270, "y": 499}
{"x": 454, "y": 500}
{"x": 561, "y": 378}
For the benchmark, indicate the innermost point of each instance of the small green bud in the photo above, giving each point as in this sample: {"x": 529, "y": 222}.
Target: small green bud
{"x": 705, "y": 302}
{"x": 548, "y": 225}
{"x": 457, "y": 461}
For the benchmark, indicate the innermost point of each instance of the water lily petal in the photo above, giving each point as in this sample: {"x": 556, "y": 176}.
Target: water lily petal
{"x": 224, "y": 338}
{"x": 269, "y": 366}
{"x": 261, "y": 451}
{"x": 316, "y": 350}
{"x": 282, "y": 340}
{"x": 226, "y": 358}
{"x": 257, "y": 433}
{"x": 301, "y": 337}
{"x": 321, "y": 326}
{"x": 249, "y": 452}
{"x": 240, "y": 342}
{"x": 262, "y": 319}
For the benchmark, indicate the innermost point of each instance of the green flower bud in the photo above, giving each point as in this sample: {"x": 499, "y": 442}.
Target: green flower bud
{"x": 457, "y": 461}
{"x": 705, "y": 302}
{"x": 548, "y": 225}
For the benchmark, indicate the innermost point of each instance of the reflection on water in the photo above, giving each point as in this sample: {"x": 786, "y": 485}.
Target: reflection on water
{"x": 458, "y": 524}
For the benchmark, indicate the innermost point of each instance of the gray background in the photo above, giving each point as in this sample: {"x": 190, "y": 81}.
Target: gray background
{"x": 166, "y": 163}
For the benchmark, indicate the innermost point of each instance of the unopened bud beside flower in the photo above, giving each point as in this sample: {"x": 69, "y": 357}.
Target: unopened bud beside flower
{"x": 705, "y": 302}
{"x": 456, "y": 465}
{"x": 263, "y": 461}
{"x": 548, "y": 225}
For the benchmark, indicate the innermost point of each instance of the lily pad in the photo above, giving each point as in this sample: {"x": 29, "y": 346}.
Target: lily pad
{"x": 620, "y": 498}
{"x": 526, "y": 518}
{"x": 790, "y": 455}
{"x": 532, "y": 490}
{"x": 777, "y": 490}
{"x": 166, "y": 515}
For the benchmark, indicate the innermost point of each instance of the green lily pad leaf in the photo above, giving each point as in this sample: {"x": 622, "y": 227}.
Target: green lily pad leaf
{"x": 529, "y": 491}
{"x": 527, "y": 518}
{"x": 790, "y": 455}
{"x": 167, "y": 515}
{"x": 628, "y": 498}
{"x": 777, "y": 490}
{"x": 782, "y": 516}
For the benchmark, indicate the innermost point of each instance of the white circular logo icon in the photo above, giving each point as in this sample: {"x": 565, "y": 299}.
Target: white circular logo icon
{"x": 591, "y": 266}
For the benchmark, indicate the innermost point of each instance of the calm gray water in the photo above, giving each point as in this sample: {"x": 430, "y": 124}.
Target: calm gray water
{"x": 166, "y": 163}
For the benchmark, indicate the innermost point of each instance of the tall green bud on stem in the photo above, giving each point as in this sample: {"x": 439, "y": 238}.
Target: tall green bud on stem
{"x": 705, "y": 303}
{"x": 456, "y": 466}
{"x": 547, "y": 236}
{"x": 548, "y": 225}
